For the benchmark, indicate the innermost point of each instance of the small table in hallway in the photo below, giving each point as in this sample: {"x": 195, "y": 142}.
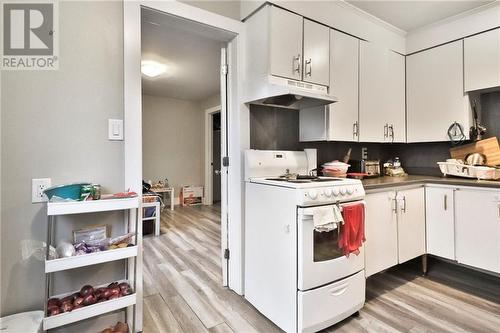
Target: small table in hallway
{"x": 163, "y": 191}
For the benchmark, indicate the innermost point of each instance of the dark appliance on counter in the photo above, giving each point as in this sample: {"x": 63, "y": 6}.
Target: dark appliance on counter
{"x": 369, "y": 167}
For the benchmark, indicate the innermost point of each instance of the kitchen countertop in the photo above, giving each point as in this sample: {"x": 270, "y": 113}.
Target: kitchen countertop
{"x": 388, "y": 182}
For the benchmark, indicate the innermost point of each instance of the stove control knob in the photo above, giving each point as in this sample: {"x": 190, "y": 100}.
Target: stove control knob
{"x": 335, "y": 192}
{"x": 312, "y": 194}
{"x": 350, "y": 190}
{"x": 328, "y": 192}
{"x": 342, "y": 191}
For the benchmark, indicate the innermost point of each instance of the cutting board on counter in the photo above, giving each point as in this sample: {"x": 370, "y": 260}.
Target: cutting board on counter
{"x": 488, "y": 147}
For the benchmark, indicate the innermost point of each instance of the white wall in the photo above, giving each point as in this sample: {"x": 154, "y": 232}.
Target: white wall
{"x": 173, "y": 136}
{"x": 54, "y": 124}
{"x": 475, "y": 21}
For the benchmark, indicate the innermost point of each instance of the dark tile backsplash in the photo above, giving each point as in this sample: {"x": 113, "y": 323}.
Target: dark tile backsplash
{"x": 278, "y": 129}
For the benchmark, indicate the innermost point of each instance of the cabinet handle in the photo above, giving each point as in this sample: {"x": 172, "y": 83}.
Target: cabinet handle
{"x": 391, "y": 132}
{"x": 386, "y": 130}
{"x": 403, "y": 209}
{"x": 309, "y": 72}
{"x": 355, "y": 130}
{"x": 445, "y": 202}
{"x": 395, "y": 208}
{"x": 296, "y": 64}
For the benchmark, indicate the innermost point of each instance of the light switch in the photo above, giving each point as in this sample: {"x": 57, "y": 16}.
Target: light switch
{"x": 115, "y": 129}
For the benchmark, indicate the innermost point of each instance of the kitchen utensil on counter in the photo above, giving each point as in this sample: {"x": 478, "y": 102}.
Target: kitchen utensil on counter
{"x": 393, "y": 168}
{"x": 370, "y": 167}
{"x": 488, "y": 147}
{"x": 456, "y": 134}
{"x": 477, "y": 130}
{"x": 335, "y": 169}
{"x": 475, "y": 159}
{"x": 347, "y": 156}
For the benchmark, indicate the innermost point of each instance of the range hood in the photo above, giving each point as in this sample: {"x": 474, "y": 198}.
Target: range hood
{"x": 291, "y": 94}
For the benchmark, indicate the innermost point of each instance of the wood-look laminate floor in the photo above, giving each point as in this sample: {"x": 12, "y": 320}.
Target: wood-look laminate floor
{"x": 183, "y": 293}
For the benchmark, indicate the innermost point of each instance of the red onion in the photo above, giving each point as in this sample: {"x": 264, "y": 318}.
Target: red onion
{"x": 68, "y": 299}
{"x": 114, "y": 296}
{"x": 107, "y": 293}
{"x": 53, "y": 310}
{"x": 115, "y": 290}
{"x": 78, "y": 302}
{"x": 99, "y": 292}
{"x": 53, "y": 302}
{"x": 124, "y": 287}
{"x": 89, "y": 300}
{"x": 67, "y": 307}
{"x": 113, "y": 284}
{"x": 86, "y": 290}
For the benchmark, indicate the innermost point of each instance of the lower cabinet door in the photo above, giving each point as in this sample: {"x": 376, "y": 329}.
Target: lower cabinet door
{"x": 322, "y": 307}
{"x": 478, "y": 228}
{"x": 411, "y": 224}
{"x": 440, "y": 222}
{"x": 381, "y": 231}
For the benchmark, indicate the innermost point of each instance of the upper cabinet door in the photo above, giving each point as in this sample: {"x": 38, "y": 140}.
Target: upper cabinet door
{"x": 285, "y": 43}
{"x": 344, "y": 69}
{"x": 316, "y": 64}
{"x": 482, "y": 60}
{"x": 381, "y": 94}
{"x": 435, "y": 93}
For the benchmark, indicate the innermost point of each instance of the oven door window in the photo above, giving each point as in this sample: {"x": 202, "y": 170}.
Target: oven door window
{"x": 326, "y": 245}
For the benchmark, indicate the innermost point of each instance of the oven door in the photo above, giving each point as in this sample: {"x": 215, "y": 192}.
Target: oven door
{"x": 320, "y": 261}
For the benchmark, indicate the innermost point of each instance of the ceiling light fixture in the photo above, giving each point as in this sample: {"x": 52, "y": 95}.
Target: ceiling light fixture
{"x": 152, "y": 68}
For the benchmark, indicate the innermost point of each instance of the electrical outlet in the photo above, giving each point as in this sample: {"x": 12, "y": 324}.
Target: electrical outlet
{"x": 37, "y": 188}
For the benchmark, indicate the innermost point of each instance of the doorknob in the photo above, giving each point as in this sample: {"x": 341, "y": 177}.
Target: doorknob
{"x": 217, "y": 172}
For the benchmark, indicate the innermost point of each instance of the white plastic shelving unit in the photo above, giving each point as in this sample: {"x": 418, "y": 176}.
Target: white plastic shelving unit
{"x": 55, "y": 209}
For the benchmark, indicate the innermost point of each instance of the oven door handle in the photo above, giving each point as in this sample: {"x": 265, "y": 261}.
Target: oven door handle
{"x": 339, "y": 290}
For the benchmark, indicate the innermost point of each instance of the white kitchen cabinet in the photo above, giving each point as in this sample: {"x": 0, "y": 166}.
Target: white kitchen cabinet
{"x": 435, "y": 93}
{"x": 338, "y": 121}
{"x": 381, "y": 94}
{"x": 285, "y": 30}
{"x": 343, "y": 121}
{"x": 440, "y": 222}
{"x": 477, "y": 223}
{"x": 316, "y": 53}
{"x": 482, "y": 60}
{"x": 381, "y": 231}
{"x": 411, "y": 224}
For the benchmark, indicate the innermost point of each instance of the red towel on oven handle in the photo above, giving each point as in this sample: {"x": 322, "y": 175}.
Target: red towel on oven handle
{"x": 352, "y": 234}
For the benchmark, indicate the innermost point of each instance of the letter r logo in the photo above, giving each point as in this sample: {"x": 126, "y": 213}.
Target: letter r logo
{"x": 28, "y": 29}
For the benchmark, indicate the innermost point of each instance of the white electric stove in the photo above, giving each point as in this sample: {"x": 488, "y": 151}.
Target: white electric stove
{"x": 294, "y": 275}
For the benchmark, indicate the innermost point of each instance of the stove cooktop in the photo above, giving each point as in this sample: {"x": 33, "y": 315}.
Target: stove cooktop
{"x": 305, "y": 182}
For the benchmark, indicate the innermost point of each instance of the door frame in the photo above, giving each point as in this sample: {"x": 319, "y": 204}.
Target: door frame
{"x": 208, "y": 198}
{"x": 237, "y": 118}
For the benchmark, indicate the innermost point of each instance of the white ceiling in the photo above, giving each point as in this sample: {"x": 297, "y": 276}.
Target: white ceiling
{"x": 411, "y": 15}
{"x": 190, "y": 51}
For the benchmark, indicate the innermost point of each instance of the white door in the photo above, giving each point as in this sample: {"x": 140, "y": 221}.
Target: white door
{"x": 482, "y": 60}
{"x": 381, "y": 246}
{"x": 224, "y": 166}
{"x": 435, "y": 93}
{"x": 286, "y": 43}
{"x": 316, "y": 66}
{"x": 411, "y": 224}
{"x": 478, "y": 228}
{"x": 440, "y": 222}
{"x": 343, "y": 122}
{"x": 381, "y": 94}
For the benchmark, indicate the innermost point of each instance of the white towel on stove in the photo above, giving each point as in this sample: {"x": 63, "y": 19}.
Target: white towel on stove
{"x": 326, "y": 218}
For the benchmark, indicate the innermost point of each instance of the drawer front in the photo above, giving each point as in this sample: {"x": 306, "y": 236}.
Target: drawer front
{"x": 325, "y": 306}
